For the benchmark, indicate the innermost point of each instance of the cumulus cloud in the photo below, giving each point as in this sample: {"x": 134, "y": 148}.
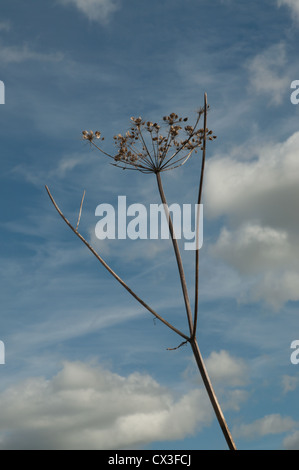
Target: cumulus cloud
{"x": 95, "y": 10}
{"x": 259, "y": 198}
{"x": 270, "y": 424}
{"x": 251, "y": 247}
{"x": 87, "y": 407}
{"x": 267, "y": 73}
{"x": 264, "y": 188}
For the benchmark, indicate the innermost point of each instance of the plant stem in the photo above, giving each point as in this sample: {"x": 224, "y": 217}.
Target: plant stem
{"x": 177, "y": 254}
{"x": 211, "y": 394}
{"x": 197, "y": 218}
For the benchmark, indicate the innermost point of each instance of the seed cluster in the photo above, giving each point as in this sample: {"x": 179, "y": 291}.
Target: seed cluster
{"x": 146, "y": 148}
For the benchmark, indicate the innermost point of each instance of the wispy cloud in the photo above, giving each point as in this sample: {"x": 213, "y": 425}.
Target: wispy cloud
{"x": 293, "y": 5}
{"x": 95, "y": 10}
{"x": 267, "y": 73}
{"x": 17, "y": 54}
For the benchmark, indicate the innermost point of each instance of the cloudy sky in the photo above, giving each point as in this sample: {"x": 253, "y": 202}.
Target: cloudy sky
{"x": 86, "y": 367}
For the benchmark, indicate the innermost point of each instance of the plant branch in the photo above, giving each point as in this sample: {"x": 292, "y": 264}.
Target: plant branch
{"x": 99, "y": 258}
{"x": 177, "y": 253}
{"x": 197, "y": 216}
{"x": 101, "y": 150}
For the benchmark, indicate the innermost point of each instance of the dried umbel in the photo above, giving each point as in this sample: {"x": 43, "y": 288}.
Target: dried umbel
{"x": 151, "y": 148}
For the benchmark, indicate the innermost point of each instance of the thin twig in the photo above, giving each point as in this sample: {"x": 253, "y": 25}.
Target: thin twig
{"x": 80, "y": 211}
{"x": 113, "y": 273}
{"x": 177, "y": 347}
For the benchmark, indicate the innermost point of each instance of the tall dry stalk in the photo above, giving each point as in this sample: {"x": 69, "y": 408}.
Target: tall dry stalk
{"x": 156, "y": 154}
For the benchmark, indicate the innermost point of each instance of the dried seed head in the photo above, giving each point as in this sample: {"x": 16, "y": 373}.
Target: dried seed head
{"x": 144, "y": 148}
{"x": 88, "y": 135}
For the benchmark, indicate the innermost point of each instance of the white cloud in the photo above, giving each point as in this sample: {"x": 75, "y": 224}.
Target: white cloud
{"x": 259, "y": 198}
{"x": 264, "y": 188}
{"x": 293, "y": 5}
{"x": 96, "y": 10}
{"x": 270, "y": 424}
{"x": 226, "y": 369}
{"x": 88, "y": 407}
{"x": 267, "y": 73}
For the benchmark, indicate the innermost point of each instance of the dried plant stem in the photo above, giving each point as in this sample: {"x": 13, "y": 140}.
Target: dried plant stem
{"x": 113, "y": 273}
{"x": 80, "y": 211}
{"x": 177, "y": 253}
{"x": 211, "y": 394}
{"x": 197, "y": 218}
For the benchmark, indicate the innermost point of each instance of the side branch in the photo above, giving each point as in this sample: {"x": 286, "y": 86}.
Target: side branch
{"x": 197, "y": 221}
{"x": 177, "y": 347}
{"x": 173, "y": 328}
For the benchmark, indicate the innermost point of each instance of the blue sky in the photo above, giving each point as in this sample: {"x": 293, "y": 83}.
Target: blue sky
{"x": 86, "y": 366}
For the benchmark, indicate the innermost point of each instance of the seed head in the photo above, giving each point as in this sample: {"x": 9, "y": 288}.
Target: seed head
{"x": 145, "y": 149}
